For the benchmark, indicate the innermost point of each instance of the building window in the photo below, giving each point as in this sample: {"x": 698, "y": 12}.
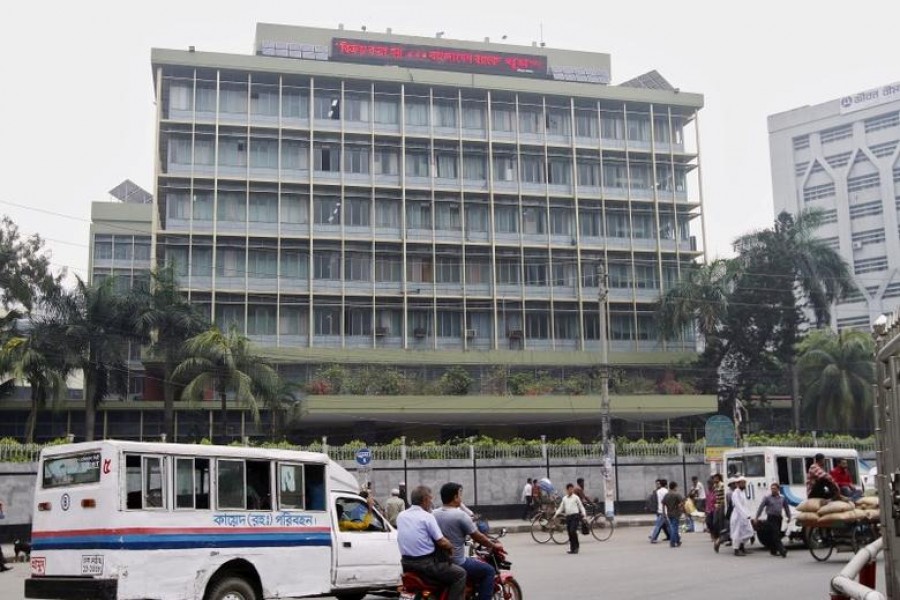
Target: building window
{"x": 535, "y": 273}
{"x": 358, "y": 321}
{"x": 863, "y": 182}
{"x": 294, "y": 104}
{"x": 870, "y": 265}
{"x": 817, "y": 192}
{"x": 418, "y": 215}
{"x": 294, "y": 320}
{"x": 531, "y": 120}
{"x": 502, "y": 119}
{"x": 448, "y": 324}
{"x": 445, "y": 113}
{"x": 586, "y": 125}
{"x": 416, "y": 112}
{"x": 885, "y": 149}
{"x": 447, "y": 216}
{"x": 294, "y": 156}
{"x": 834, "y": 134}
{"x": 357, "y": 267}
{"x": 504, "y": 168}
{"x": 473, "y": 116}
{"x": 327, "y": 211}
{"x": 327, "y": 320}
{"x": 327, "y": 265}
{"x": 589, "y": 174}
{"x": 537, "y": 325}
{"x": 446, "y": 166}
{"x": 356, "y": 160}
{"x": 559, "y": 171}
{"x": 562, "y": 221}
{"x": 356, "y": 108}
{"x": 294, "y": 210}
{"x": 829, "y": 216}
{"x": 506, "y": 219}
{"x": 264, "y": 101}
{"x": 882, "y": 122}
{"x": 872, "y": 236}
{"x": 357, "y": 212}
{"x": 387, "y": 112}
{"x": 387, "y": 213}
{"x": 263, "y": 208}
{"x": 801, "y": 142}
{"x": 508, "y": 271}
{"x": 474, "y": 167}
{"x": 387, "y": 162}
{"x": 261, "y": 320}
{"x": 565, "y": 326}
{"x": 476, "y": 218}
{"x": 388, "y": 269}
{"x": 327, "y": 158}
{"x": 532, "y": 169}
{"x": 263, "y": 154}
{"x": 419, "y": 270}
{"x": 559, "y": 121}
{"x": 294, "y": 264}
{"x": 447, "y": 269}
{"x": 262, "y": 264}
{"x": 866, "y": 209}
{"x": 612, "y": 126}
{"x": 478, "y": 272}
{"x": 534, "y": 220}
{"x": 417, "y": 164}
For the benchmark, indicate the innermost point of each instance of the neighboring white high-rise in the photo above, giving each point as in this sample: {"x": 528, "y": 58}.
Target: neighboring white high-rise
{"x": 842, "y": 156}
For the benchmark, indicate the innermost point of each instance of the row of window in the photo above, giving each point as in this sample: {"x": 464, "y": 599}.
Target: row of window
{"x": 530, "y": 218}
{"x": 870, "y": 265}
{"x": 222, "y": 484}
{"x": 843, "y": 159}
{"x": 121, "y": 247}
{"x": 841, "y": 132}
{"x": 266, "y": 103}
{"x": 328, "y": 265}
{"x": 511, "y": 323}
{"x": 292, "y": 155}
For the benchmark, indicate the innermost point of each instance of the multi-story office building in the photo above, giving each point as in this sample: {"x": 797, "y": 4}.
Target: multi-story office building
{"x": 384, "y": 201}
{"x": 842, "y": 156}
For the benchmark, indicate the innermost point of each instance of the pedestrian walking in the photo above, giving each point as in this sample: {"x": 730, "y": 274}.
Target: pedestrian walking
{"x": 698, "y": 493}
{"x": 741, "y": 526}
{"x": 528, "y": 499}
{"x": 403, "y": 495}
{"x": 3, "y": 566}
{"x": 573, "y": 509}
{"x": 673, "y": 506}
{"x": 660, "y": 526}
{"x": 775, "y": 505}
{"x": 393, "y": 506}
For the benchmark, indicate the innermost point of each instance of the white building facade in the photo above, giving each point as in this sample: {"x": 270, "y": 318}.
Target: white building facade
{"x": 842, "y": 156}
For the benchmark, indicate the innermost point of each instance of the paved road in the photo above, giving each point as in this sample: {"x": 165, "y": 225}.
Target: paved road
{"x": 628, "y": 566}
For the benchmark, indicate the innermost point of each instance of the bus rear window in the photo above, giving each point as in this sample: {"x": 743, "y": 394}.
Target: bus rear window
{"x": 71, "y": 470}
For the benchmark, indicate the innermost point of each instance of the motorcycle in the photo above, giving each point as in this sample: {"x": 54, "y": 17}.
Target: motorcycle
{"x": 416, "y": 587}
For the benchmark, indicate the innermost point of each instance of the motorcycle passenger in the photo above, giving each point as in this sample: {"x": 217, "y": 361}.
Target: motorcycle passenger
{"x": 423, "y": 548}
{"x": 456, "y": 525}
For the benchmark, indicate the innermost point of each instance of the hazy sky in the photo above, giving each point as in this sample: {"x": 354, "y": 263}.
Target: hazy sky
{"x": 76, "y": 106}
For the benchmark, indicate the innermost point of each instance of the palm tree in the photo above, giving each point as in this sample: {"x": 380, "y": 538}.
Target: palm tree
{"x": 225, "y": 362}
{"x": 96, "y": 323}
{"x": 701, "y": 297}
{"x": 837, "y": 372}
{"x": 168, "y": 320}
{"x": 821, "y": 275}
{"x": 37, "y": 360}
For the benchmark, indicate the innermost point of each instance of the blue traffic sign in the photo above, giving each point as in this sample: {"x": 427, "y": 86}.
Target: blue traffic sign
{"x": 363, "y": 457}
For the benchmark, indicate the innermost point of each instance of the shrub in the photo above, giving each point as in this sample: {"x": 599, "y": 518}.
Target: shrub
{"x": 455, "y": 381}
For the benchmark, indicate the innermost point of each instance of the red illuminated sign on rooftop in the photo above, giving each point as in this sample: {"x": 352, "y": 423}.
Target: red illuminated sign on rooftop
{"x": 432, "y": 57}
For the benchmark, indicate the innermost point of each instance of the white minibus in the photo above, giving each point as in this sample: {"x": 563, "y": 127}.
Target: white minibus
{"x": 117, "y": 520}
{"x": 764, "y": 465}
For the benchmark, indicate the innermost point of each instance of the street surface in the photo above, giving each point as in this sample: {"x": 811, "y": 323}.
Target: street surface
{"x": 628, "y": 566}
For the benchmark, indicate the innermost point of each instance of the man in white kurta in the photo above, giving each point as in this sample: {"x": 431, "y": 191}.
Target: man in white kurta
{"x": 741, "y": 526}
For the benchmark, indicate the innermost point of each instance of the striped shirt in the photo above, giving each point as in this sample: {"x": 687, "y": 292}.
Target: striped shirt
{"x": 720, "y": 496}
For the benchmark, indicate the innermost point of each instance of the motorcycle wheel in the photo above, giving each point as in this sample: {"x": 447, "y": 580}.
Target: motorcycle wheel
{"x": 509, "y": 590}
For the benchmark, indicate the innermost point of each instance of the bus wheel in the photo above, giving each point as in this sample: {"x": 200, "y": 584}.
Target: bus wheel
{"x": 231, "y": 588}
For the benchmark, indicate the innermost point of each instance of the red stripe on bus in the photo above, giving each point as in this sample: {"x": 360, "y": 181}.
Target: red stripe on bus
{"x": 176, "y": 530}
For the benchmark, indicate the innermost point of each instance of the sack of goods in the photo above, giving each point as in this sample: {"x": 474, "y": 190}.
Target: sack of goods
{"x": 811, "y": 505}
{"x": 837, "y": 506}
{"x": 806, "y": 517}
{"x": 867, "y": 502}
{"x": 847, "y": 516}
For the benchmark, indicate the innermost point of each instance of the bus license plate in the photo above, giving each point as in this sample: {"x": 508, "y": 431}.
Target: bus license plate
{"x": 91, "y": 564}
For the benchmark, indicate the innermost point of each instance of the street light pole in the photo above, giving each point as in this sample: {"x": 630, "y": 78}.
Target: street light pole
{"x": 603, "y": 297}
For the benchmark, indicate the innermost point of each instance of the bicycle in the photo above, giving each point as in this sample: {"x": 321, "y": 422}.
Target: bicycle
{"x": 599, "y": 525}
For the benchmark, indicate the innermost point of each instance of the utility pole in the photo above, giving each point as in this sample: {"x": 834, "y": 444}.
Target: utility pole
{"x": 603, "y": 297}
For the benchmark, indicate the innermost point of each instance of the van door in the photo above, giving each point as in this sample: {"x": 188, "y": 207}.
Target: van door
{"x": 366, "y": 551}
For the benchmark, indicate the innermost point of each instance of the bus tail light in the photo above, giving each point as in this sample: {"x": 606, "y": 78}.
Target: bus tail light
{"x": 43, "y": 506}
{"x": 88, "y": 503}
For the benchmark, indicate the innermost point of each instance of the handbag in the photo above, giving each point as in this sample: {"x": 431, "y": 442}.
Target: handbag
{"x": 585, "y": 528}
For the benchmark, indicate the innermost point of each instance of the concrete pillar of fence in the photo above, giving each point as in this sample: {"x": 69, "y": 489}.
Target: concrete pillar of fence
{"x": 325, "y": 445}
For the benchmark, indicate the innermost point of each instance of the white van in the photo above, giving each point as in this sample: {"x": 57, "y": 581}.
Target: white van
{"x": 764, "y": 465}
{"x": 118, "y": 520}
